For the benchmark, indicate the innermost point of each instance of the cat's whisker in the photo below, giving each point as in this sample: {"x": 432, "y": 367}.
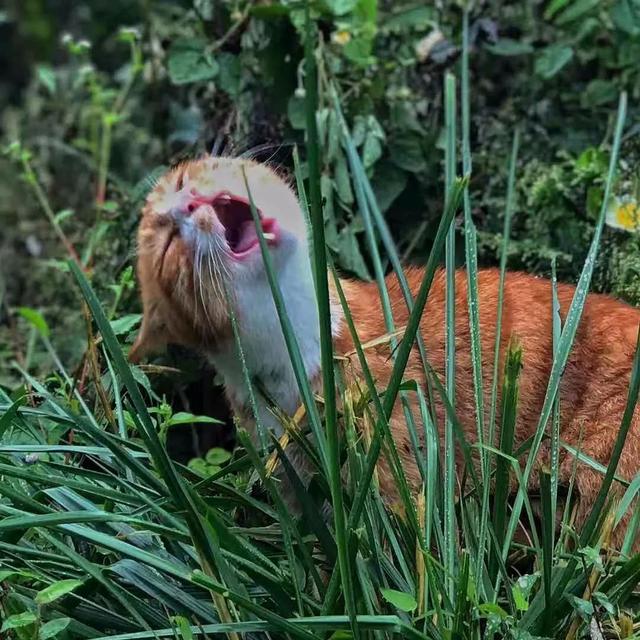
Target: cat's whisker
{"x": 215, "y": 279}
{"x": 221, "y": 265}
{"x": 195, "y": 276}
{"x": 202, "y": 297}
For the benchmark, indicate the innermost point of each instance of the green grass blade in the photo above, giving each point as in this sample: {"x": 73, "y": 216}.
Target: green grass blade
{"x": 462, "y": 614}
{"x": 512, "y": 369}
{"x": 387, "y": 623}
{"x": 572, "y": 319}
{"x": 473, "y": 303}
{"x": 450, "y": 531}
{"x": 491, "y": 426}
{"x": 555, "y": 428}
{"x": 360, "y": 182}
{"x": 548, "y": 526}
{"x": 382, "y": 433}
{"x": 571, "y": 325}
{"x": 326, "y": 337}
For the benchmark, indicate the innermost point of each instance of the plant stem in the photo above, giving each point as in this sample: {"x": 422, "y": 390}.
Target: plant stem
{"x": 41, "y": 196}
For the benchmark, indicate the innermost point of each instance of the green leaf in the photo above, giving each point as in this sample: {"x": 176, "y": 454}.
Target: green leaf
{"x": 576, "y": 10}
{"x": 36, "y": 319}
{"x": 554, "y": 7}
{"x": 350, "y": 254}
{"x": 182, "y": 417}
{"x": 358, "y": 49}
{"x": 5, "y": 574}
{"x": 522, "y": 604}
{"x": 625, "y": 15}
{"x": 371, "y": 151}
{"x": 407, "y": 152}
{"x": 57, "y": 590}
{"x": 340, "y": 7}
{"x": 229, "y": 75}
{"x": 584, "y": 608}
{"x": 388, "y": 183}
{"x": 200, "y": 467}
{"x": 599, "y": 92}
{"x": 18, "y": 620}
{"x": 46, "y": 77}
{"x": 367, "y": 12}
{"x": 552, "y": 60}
{"x": 125, "y": 323}
{"x": 509, "y": 47}
{"x": 189, "y": 62}
{"x": 416, "y": 18}
{"x": 490, "y": 609}
{"x": 372, "y": 148}
{"x": 521, "y": 590}
{"x": 296, "y": 112}
{"x": 592, "y": 556}
{"x": 400, "y": 599}
{"x": 183, "y": 627}
{"x": 217, "y": 456}
{"x": 52, "y": 628}
{"x": 359, "y": 130}
{"x": 63, "y": 214}
{"x": 343, "y": 180}
{"x": 604, "y": 602}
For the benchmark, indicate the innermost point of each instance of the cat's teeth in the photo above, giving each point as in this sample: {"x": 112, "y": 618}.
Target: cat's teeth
{"x": 224, "y": 198}
{"x": 269, "y": 236}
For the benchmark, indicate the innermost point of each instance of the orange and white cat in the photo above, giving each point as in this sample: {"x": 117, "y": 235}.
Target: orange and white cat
{"x": 199, "y": 253}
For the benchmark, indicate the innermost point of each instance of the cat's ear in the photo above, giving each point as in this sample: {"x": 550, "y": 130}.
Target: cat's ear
{"x": 152, "y": 337}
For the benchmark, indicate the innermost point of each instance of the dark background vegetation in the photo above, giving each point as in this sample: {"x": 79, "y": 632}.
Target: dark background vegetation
{"x": 99, "y": 97}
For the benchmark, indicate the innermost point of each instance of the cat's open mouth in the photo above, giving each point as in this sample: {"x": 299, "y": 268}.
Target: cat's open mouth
{"x": 234, "y": 213}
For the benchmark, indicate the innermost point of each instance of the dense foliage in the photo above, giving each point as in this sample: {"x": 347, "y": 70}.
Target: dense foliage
{"x": 102, "y": 95}
{"x": 101, "y": 533}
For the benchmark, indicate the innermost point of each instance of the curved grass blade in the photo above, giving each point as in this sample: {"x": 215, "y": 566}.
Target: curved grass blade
{"x": 390, "y": 624}
{"x": 564, "y": 346}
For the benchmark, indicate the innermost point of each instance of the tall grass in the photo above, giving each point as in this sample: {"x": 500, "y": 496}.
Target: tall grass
{"x": 103, "y": 535}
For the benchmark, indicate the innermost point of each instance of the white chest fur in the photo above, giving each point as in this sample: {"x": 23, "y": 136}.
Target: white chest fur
{"x": 265, "y": 351}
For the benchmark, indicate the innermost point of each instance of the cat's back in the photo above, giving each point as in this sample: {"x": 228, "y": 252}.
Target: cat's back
{"x": 599, "y": 364}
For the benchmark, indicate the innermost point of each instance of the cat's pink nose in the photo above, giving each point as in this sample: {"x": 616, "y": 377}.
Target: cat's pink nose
{"x": 195, "y": 204}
